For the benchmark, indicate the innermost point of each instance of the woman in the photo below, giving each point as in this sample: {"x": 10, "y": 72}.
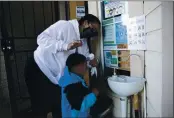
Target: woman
{"x": 45, "y": 68}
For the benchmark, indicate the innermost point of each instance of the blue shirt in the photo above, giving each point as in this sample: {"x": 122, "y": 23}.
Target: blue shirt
{"x": 88, "y": 101}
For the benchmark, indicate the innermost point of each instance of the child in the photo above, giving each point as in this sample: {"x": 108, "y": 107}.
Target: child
{"x": 76, "y": 97}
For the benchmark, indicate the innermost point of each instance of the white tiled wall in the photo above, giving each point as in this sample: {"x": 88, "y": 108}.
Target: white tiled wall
{"x": 154, "y": 20}
{"x": 154, "y": 79}
{"x": 167, "y": 59}
{"x": 149, "y": 6}
{"x": 135, "y": 8}
{"x": 151, "y": 112}
{"x": 158, "y": 45}
{"x": 154, "y": 55}
{"x": 154, "y": 37}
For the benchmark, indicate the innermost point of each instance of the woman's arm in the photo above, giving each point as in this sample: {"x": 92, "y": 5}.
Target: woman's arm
{"x": 57, "y": 38}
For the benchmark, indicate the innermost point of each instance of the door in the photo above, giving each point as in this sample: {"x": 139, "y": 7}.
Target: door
{"x": 21, "y": 22}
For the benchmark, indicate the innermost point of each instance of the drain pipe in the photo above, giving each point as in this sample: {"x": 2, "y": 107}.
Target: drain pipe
{"x": 145, "y": 100}
{"x": 145, "y": 108}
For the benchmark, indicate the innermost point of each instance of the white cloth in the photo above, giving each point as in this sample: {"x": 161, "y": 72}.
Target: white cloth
{"x": 94, "y": 71}
{"x": 52, "y": 53}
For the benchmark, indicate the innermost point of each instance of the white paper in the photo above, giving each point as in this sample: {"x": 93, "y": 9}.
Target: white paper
{"x": 136, "y": 33}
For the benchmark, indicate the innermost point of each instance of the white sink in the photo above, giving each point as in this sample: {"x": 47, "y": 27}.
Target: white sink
{"x": 125, "y": 86}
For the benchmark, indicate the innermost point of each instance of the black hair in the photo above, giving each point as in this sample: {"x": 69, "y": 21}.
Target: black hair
{"x": 90, "y": 18}
{"x": 75, "y": 59}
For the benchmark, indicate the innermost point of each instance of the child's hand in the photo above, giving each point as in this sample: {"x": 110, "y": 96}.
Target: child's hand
{"x": 95, "y": 91}
{"x": 93, "y": 62}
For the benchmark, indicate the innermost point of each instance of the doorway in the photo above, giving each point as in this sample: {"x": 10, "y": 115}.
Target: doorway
{"x": 21, "y": 22}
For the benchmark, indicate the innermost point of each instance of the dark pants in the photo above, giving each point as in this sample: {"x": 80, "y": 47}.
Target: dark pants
{"x": 45, "y": 96}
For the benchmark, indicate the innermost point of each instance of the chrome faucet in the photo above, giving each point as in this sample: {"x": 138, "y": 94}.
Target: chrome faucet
{"x": 115, "y": 67}
{"x": 140, "y": 61}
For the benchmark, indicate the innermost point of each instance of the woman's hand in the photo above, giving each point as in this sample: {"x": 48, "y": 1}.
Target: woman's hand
{"x": 93, "y": 62}
{"x": 74, "y": 45}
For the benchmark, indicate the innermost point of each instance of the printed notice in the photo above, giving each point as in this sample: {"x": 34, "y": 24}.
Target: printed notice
{"x": 113, "y": 8}
{"x": 124, "y": 34}
{"x": 80, "y": 11}
{"x": 136, "y": 33}
{"x": 121, "y": 33}
{"x": 111, "y": 59}
{"x": 108, "y": 34}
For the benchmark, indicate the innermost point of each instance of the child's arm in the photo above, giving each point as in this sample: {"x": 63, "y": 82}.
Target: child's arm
{"x": 88, "y": 101}
{"x": 80, "y": 97}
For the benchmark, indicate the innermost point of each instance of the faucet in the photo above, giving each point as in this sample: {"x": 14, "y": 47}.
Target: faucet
{"x": 140, "y": 60}
{"x": 115, "y": 67}
{"x": 115, "y": 74}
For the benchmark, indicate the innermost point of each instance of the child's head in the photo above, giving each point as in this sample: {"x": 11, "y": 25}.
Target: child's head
{"x": 77, "y": 63}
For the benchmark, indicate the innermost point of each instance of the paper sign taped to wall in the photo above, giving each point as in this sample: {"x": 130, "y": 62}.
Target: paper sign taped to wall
{"x": 80, "y": 11}
{"x": 112, "y": 8}
{"x": 136, "y": 33}
{"x": 124, "y": 33}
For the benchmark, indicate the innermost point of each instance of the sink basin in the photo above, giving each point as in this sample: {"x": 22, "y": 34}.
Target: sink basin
{"x": 125, "y": 86}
